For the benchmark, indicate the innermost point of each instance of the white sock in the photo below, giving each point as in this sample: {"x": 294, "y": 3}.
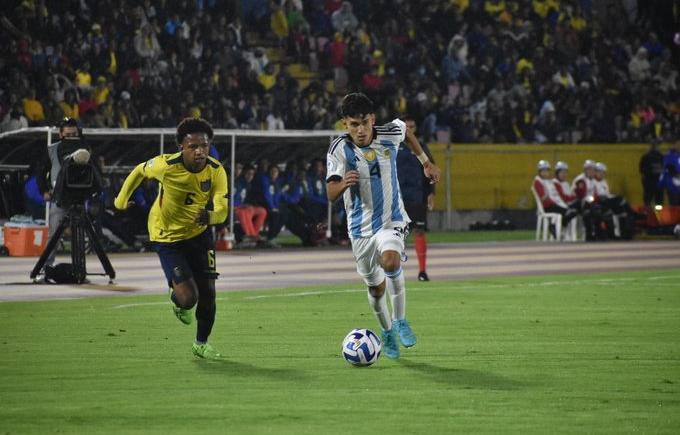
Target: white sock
{"x": 380, "y": 310}
{"x": 396, "y": 287}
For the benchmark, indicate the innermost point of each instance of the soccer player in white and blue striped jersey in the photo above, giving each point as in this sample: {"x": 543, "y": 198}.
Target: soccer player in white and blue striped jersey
{"x": 362, "y": 167}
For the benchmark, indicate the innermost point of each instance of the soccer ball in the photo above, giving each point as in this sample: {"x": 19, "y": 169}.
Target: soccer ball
{"x": 361, "y": 347}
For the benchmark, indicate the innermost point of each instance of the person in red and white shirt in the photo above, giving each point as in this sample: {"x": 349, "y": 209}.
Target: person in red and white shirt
{"x": 613, "y": 205}
{"x": 583, "y": 185}
{"x": 584, "y": 188}
{"x": 562, "y": 185}
{"x": 548, "y": 194}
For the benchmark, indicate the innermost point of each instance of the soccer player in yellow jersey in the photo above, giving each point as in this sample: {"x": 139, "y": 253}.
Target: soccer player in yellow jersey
{"x": 193, "y": 194}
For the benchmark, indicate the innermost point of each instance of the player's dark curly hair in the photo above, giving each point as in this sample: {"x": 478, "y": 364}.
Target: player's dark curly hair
{"x": 356, "y": 105}
{"x": 193, "y": 125}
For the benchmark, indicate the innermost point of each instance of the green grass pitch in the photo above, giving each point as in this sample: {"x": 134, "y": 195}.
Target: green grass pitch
{"x": 559, "y": 354}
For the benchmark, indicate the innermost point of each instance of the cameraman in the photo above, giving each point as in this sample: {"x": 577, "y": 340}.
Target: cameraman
{"x": 49, "y": 170}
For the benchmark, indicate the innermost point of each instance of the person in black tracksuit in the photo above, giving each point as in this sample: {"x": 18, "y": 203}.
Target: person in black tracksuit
{"x": 418, "y": 196}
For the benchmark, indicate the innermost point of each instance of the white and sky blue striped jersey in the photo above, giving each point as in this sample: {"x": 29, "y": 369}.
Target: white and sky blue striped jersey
{"x": 375, "y": 202}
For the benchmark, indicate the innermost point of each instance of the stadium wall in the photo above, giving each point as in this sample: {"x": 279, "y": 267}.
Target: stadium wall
{"x": 498, "y": 176}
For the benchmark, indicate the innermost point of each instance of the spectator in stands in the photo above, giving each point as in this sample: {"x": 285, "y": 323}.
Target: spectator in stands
{"x": 639, "y": 67}
{"x": 83, "y": 78}
{"x": 594, "y": 48}
{"x": 33, "y": 108}
{"x": 344, "y": 20}
{"x": 14, "y": 120}
{"x": 69, "y": 105}
{"x": 651, "y": 168}
{"x": 337, "y": 51}
{"x": 315, "y": 199}
{"x": 146, "y": 43}
{"x": 271, "y": 187}
{"x": 295, "y": 213}
{"x": 279, "y": 21}
{"x": 250, "y": 215}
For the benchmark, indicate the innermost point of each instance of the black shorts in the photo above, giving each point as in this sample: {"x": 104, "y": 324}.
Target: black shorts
{"x": 191, "y": 258}
{"x": 418, "y": 214}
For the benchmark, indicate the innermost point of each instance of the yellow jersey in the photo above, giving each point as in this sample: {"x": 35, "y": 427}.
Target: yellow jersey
{"x": 183, "y": 194}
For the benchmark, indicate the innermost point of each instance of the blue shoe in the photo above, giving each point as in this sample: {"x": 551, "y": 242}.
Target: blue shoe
{"x": 390, "y": 345}
{"x": 406, "y": 335}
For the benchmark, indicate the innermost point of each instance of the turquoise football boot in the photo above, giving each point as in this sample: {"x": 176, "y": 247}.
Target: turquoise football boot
{"x": 406, "y": 335}
{"x": 389, "y": 342}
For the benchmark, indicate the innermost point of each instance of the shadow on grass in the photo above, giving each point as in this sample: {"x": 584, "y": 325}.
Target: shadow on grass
{"x": 228, "y": 367}
{"x": 467, "y": 379}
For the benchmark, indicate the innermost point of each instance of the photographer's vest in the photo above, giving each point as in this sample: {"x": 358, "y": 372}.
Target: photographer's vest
{"x": 56, "y": 164}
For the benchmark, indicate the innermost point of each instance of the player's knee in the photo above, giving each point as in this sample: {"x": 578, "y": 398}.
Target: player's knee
{"x": 186, "y": 294}
{"x": 391, "y": 261}
{"x": 377, "y": 291}
{"x": 186, "y": 302}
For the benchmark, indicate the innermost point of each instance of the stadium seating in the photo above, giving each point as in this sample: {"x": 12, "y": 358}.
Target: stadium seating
{"x": 522, "y": 71}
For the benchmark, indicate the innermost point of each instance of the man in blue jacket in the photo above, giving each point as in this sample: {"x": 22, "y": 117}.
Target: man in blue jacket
{"x": 671, "y": 175}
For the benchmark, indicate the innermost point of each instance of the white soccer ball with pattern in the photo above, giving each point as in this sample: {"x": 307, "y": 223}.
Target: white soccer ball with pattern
{"x": 361, "y": 347}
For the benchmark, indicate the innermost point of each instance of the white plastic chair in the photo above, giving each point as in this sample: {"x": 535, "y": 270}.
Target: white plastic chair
{"x": 571, "y": 231}
{"x": 544, "y": 220}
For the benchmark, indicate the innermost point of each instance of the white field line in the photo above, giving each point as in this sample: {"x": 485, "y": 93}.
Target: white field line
{"x": 144, "y": 304}
{"x": 603, "y": 281}
{"x": 465, "y": 287}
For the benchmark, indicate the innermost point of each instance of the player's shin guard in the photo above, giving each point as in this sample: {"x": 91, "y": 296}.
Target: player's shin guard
{"x": 205, "y": 317}
{"x": 379, "y": 306}
{"x": 396, "y": 287}
{"x": 421, "y": 251}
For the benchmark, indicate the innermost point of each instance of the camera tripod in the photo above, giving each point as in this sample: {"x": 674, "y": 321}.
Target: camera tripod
{"x": 80, "y": 224}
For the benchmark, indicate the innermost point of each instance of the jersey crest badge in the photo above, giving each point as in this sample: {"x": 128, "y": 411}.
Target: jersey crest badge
{"x": 205, "y": 186}
{"x": 386, "y": 153}
{"x": 370, "y": 155}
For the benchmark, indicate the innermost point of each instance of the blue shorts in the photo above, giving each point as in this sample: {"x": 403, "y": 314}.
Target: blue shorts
{"x": 191, "y": 258}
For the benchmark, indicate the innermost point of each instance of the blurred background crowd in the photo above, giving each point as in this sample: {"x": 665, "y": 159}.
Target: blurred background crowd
{"x": 518, "y": 71}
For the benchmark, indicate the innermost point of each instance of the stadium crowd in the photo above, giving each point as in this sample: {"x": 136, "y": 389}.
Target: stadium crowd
{"x": 478, "y": 70}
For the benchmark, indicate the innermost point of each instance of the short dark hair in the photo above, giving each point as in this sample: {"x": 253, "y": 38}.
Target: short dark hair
{"x": 70, "y": 122}
{"x": 193, "y": 125}
{"x": 355, "y": 105}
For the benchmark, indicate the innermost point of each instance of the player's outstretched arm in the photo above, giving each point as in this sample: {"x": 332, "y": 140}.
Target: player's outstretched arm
{"x": 431, "y": 170}
{"x": 133, "y": 180}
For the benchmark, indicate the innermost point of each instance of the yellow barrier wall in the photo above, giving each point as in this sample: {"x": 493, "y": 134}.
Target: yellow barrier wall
{"x": 489, "y": 177}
